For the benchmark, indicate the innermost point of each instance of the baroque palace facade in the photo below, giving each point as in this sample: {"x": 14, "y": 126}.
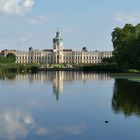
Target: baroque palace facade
{"x": 59, "y": 55}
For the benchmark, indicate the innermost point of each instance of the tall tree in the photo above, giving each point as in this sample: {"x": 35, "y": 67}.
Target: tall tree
{"x": 126, "y": 42}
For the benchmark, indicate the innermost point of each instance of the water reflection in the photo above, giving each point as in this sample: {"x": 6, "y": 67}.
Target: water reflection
{"x": 15, "y": 124}
{"x": 56, "y": 77}
{"x": 29, "y": 111}
{"x": 19, "y": 124}
{"x": 58, "y": 84}
{"x": 7, "y": 76}
{"x": 126, "y": 97}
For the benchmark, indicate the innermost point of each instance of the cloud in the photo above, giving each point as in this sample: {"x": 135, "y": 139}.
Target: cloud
{"x": 127, "y": 17}
{"x": 71, "y": 31}
{"x": 3, "y": 45}
{"x": 71, "y": 130}
{"x": 13, "y": 125}
{"x": 54, "y": 131}
{"x": 23, "y": 39}
{"x": 18, "y": 124}
{"x": 39, "y": 19}
{"x": 16, "y": 7}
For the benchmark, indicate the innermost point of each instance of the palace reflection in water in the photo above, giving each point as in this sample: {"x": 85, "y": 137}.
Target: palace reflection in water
{"x": 56, "y": 77}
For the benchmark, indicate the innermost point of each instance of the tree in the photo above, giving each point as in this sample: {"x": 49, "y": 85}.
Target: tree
{"x": 10, "y": 58}
{"x": 126, "y": 43}
{"x": 108, "y": 60}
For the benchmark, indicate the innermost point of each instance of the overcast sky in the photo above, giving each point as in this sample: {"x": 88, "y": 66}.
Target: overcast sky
{"x": 88, "y": 23}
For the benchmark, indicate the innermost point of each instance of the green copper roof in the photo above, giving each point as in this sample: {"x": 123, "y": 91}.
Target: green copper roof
{"x": 57, "y": 39}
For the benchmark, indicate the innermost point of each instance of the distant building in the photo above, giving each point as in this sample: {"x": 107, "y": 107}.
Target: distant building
{"x": 59, "y": 55}
{"x": 4, "y": 53}
{"x": 1, "y": 53}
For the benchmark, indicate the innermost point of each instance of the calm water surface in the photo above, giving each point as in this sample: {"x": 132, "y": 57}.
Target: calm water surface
{"x": 68, "y": 106}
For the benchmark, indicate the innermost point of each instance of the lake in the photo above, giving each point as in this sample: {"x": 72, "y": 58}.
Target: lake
{"x": 68, "y": 106}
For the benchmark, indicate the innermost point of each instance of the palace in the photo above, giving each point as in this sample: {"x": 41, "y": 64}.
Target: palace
{"x": 59, "y": 55}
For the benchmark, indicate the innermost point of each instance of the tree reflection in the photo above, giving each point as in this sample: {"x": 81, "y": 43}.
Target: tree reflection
{"x": 126, "y": 97}
{"x": 6, "y": 75}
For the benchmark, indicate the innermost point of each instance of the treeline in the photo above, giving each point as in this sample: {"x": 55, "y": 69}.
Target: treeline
{"x": 126, "y": 43}
{"x": 101, "y": 67}
{"x": 7, "y": 64}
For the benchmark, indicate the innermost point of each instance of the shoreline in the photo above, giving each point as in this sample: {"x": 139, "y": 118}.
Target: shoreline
{"x": 60, "y": 69}
{"x": 31, "y": 68}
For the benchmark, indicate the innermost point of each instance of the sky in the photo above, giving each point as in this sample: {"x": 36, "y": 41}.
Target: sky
{"x": 81, "y": 23}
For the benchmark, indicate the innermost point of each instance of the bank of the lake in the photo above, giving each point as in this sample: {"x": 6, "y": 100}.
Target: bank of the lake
{"x": 18, "y": 68}
{"x": 27, "y": 68}
{"x": 82, "y": 67}
{"x": 129, "y": 76}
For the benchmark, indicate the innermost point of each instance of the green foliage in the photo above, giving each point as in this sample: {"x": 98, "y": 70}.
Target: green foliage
{"x": 10, "y": 58}
{"x": 108, "y": 60}
{"x": 18, "y": 68}
{"x": 101, "y": 67}
{"x": 7, "y": 75}
{"x": 126, "y": 42}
